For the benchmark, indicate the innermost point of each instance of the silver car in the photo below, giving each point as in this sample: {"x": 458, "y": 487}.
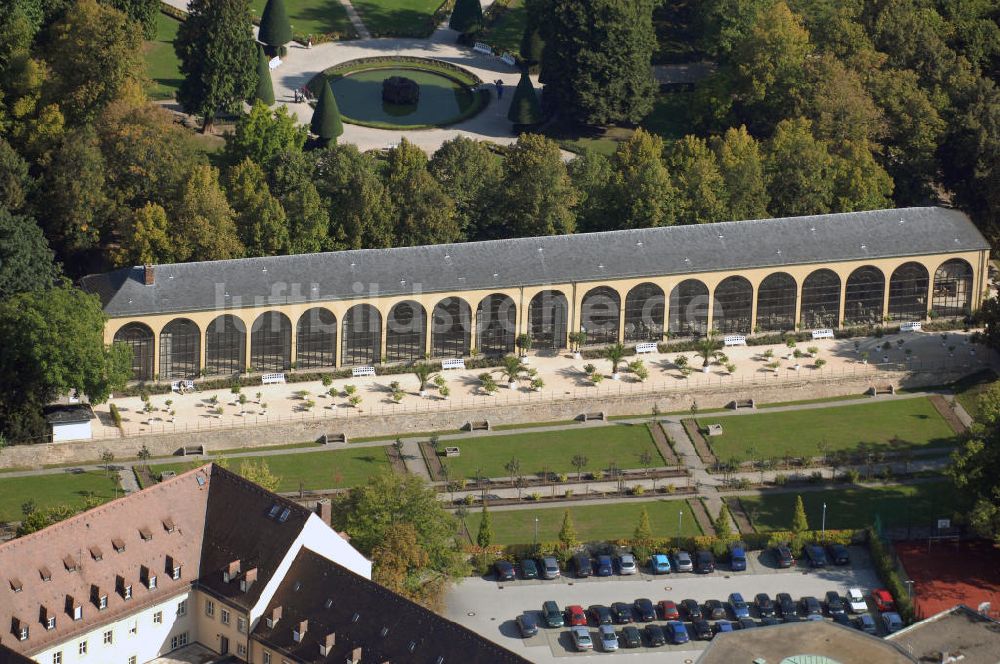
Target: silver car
{"x": 581, "y": 638}
{"x": 682, "y": 562}
{"x": 626, "y": 564}
{"x": 609, "y": 638}
{"x": 550, "y": 568}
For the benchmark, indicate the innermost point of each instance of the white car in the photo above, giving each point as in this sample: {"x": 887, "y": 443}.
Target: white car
{"x": 856, "y": 600}
{"x": 626, "y": 564}
{"x": 581, "y": 638}
{"x": 609, "y": 639}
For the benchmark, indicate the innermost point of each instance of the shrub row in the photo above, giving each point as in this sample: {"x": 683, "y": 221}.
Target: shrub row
{"x": 886, "y": 570}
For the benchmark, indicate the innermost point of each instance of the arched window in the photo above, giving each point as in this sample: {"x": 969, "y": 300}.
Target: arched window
{"x": 600, "y": 311}
{"x": 225, "y": 346}
{"x": 863, "y": 296}
{"x": 316, "y": 339}
{"x": 689, "y": 309}
{"x": 548, "y": 315}
{"x": 139, "y": 338}
{"x": 952, "y": 289}
{"x": 645, "y": 306}
{"x": 405, "y": 333}
{"x": 271, "y": 342}
{"x": 451, "y": 328}
{"x": 732, "y": 306}
{"x": 180, "y": 349}
{"x": 362, "y": 336}
{"x": 820, "y": 300}
{"x": 908, "y": 288}
{"x": 776, "y": 297}
{"x": 496, "y": 325}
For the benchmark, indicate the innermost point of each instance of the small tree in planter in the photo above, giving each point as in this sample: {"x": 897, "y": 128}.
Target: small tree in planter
{"x": 813, "y": 351}
{"x": 424, "y": 374}
{"x": 263, "y": 409}
{"x": 488, "y": 384}
{"x": 219, "y": 410}
{"x": 444, "y": 391}
{"x": 614, "y": 354}
{"x": 355, "y": 401}
{"x": 397, "y": 396}
{"x": 820, "y": 363}
{"x": 243, "y": 403}
{"x": 596, "y": 377}
{"x": 639, "y": 370}
{"x": 439, "y": 381}
{"x": 731, "y": 368}
{"x": 512, "y": 370}
{"x": 537, "y": 384}
{"x": 774, "y": 366}
{"x": 524, "y": 344}
{"x": 577, "y": 340}
{"x": 709, "y": 348}
{"x": 768, "y": 354}
{"x": 680, "y": 361}
{"x": 327, "y": 380}
{"x": 350, "y": 390}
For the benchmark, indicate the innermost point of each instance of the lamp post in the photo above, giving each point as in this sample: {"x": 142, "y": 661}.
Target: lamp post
{"x": 536, "y": 532}
{"x": 824, "y": 522}
{"x": 680, "y": 516}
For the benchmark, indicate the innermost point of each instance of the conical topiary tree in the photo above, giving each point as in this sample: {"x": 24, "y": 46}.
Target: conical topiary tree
{"x": 275, "y": 30}
{"x": 524, "y": 107}
{"x": 485, "y": 535}
{"x": 326, "y": 118}
{"x": 264, "y": 91}
{"x": 799, "y": 522}
{"x": 531, "y": 46}
{"x": 467, "y": 16}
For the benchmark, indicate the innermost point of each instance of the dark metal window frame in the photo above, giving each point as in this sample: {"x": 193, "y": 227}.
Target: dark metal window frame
{"x": 271, "y": 342}
{"x": 864, "y": 295}
{"x": 361, "y": 336}
{"x": 820, "y": 300}
{"x": 316, "y": 339}
{"x": 600, "y": 315}
{"x": 645, "y": 309}
{"x": 451, "y": 328}
{"x": 732, "y": 306}
{"x": 406, "y": 337}
{"x": 953, "y": 284}
{"x": 548, "y": 319}
{"x": 140, "y": 338}
{"x": 496, "y": 325}
{"x": 180, "y": 349}
{"x": 909, "y": 288}
{"x": 684, "y": 296}
{"x": 225, "y": 350}
{"x": 777, "y": 295}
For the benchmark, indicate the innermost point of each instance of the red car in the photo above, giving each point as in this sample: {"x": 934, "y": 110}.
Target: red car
{"x": 883, "y": 600}
{"x": 668, "y": 610}
{"x": 575, "y": 616}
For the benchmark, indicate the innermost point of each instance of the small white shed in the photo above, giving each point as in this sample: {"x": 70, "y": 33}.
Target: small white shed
{"x": 69, "y": 422}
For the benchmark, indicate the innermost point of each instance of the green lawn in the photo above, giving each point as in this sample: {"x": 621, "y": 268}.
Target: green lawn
{"x": 918, "y": 505}
{"x": 313, "y": 17}
{"x": 967, "y": 391}
{"x": 315, "y": 470}
{"x": 400, "y": 18}
{"x": 51, "y": 490}
{"x": 799, "y": 432}
{"x": 553, "y": 450}
{"x": 162, "y": 65}
{"x": 593, "y": 522}
{"x": 508, "y": 29}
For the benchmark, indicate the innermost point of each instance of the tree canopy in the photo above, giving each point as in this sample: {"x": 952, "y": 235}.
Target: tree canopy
{"x": 275, "y": 29}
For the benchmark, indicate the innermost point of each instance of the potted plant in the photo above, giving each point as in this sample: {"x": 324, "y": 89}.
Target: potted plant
{"x": 444, "y": 391}
{"x": 864, "y": 357}
{"x": 263, "y": 408}
{"x": 577, "y": 340}
{"x": 523, "y": 343}
{"x": 512, "y": 370}
{"x": 355, "y": 401}
{"x": 424, "y": 374}
{"x": 639, "y": 370}
{"x": 614, "y": 354}
{"x": 488, "y": 384}
{"x": 537, "y": 384}
{"x": 709, "y": 348}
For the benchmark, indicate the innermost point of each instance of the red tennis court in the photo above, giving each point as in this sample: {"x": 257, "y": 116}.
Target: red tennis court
{"x": 947, "y": 574}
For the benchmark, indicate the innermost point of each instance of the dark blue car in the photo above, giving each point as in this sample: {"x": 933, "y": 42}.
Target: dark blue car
{"x": 603, "y": 566}
{"x": 678, "y": 632}
{"x": 737, "y": 558}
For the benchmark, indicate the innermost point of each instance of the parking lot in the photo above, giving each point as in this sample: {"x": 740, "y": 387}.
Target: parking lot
{"x": 490, "y": 608}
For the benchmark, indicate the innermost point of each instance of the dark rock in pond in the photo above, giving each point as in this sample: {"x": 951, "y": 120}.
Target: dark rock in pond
{"x": 400, "y": 90}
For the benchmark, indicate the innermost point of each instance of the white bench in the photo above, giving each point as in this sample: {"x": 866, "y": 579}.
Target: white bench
{"x": 483, "y": 47}
{"x": 734, "y": 340}
{"x": 647, "y": 347}
{"x": 824, "y": 333}
{"x": 508, "y": 59}
{"x": 272, "y": 379}
{"x": 914, "y": 326}
{"x": 274, "y": 63}
{"x": 362, "y": 371}
{"x": 454, "y": 363}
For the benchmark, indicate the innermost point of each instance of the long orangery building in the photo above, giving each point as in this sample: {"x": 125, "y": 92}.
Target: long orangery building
{"x": 392, "y": 306}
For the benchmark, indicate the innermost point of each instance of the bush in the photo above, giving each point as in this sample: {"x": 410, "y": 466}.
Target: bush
{"x": 890, "y": 577}
{"x": 116, "y": 416}
{"x": 781, "y": 479}
{"x": 638, "y": 490}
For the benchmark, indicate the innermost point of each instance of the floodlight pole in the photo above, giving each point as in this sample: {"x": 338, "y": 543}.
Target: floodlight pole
{"x": 824, "y": 522}
{"x": 536, "y": 532}
{"x": 680, "y": 515}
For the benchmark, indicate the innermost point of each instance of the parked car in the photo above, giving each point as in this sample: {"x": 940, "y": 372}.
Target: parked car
{"x": 626, "y": 564}
{"x": 811, "y": 606}
{"x": 668, "y": 610}
{"x": 575, "y": 615}
{"x": 838, "y": 554}
{"x": 659, "y": 563}
{"x": 528, "y": 624}
{"x": 714, "y": 609}
{"x": 529, "y": 570}
{"x": 601, "y": 615}
{"x": 815, "y": 617}
{"x": 738, "y": 606}
{"x": 682, "y": 562}
{"x": 552, "y": 615}
{"x": 785, "y": 604}
{"x": 842, "y": 619}
{"x": 764, "y": 604}
{"x": 504, "y": 570}
{"x": 865, "y": 623}
{"x": 724, "y": 626}
{"x": 644, "y": 610}
{"x": 783, "y": 556}
{"x": 582, "y": 565}
{"x": 746, "y": 623}
{"x": 892, "y": 622}
{"x": 704, "y": 562}
{"x": 550, "y": 567}
{"x": 678, "y": 632}
{"x": 834, "y": 603}
{"x": 769, "y": 620}
{"x": 883, "y": 600}
{"x": 737, "y": 557}
{"x": 701, "y": 630}
{"x": 815, "y": 555}
{"x": 621, "y": 612}
{"x": 691, "y": 609}
{"x": 856, "y": 600}
{"x": 608, "y": 638}
{"x": 603, "y": 566}
{"x": 655, "y": 636}
{"x": 631, "y": 637}
{"x": 581, "y": 638}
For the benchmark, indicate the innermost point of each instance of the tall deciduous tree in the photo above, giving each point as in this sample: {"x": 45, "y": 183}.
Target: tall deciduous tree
{"x": 800, "y": 523}
{"x": 643, "y": 531}
{"x": 262, "y": 133}
{"x": 596, "y": 60}
{"x": 258, "y": 472}
{"x": 204, "y": 226}
{"x": 860, "y": 183}
{"x": 536, "y": 196}
{"x": 326, "y": 121}
{"x": 641, "y": 193}
{"x": 425, "y": 214}
{"x": 592, "y": 176}
{"x": 146, "y": 237}
{"x": 260, "y": 219}
{"x": 360, "y": 207}
{"x": 484, "y": 537}
{"x": 525, "y": 108}
{"x": 142, "y": 12}
{"x": 264, "y": 92}
{"x": 722, "y": 524}
{"x": 467, "y": 16}
{"x": 26, "y": 262}
{"x": 701, "y": 189}
{"x": 800, "y": 170}
{"x": 470, "y": 174}
{"x": 275, "y": 30}
{"x": 742, "y": 169}
{"x": 399, "y": 562}
{"x": 218, "y": 58}
{"x": 291, "y": 175}
{"x": 15, "y": 183}
{"x": 567, "y": 532}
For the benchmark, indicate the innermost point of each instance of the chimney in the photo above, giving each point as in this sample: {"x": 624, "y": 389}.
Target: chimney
{"x": 356, "y": 655}
{"x": 324, "y": 508}
{"x": 275, "y": 616}
{"x": 232, "y": 571}
{"x": 300, "y": 631}
{"x": 327, "y": 645}
{"x": 147, "y": 274}
{"x": 248, "y": 579}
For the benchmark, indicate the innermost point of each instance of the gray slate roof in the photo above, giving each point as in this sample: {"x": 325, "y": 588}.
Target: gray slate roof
{"x": 674, "y": 250}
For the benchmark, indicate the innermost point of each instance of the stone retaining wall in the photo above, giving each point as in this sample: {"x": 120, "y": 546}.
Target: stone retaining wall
{"x": 33, "y": 456}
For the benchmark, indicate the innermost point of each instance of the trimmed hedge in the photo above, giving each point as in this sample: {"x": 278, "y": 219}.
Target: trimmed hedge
{"x": 886, "y": 570}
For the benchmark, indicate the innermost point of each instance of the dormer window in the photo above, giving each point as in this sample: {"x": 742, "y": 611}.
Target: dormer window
{"x": 284, "y": 515}
{"x": 102, "y": 602}
{"x": 147, "y": 577}
{"x": 168, "y": 525}
{"x": 15, "y": 585}
{"x": 118, "y": 544}
{"x": 146, "y": 534}
{"x": 231, "y": 571}
{"x": 71, "y": 564}
{"x": 77, "y": 613}
{"x": 248, "y": 579}
{"x": 22, "y": 633}
{"x": 74, "y": 608}
{"x": 50, "y": 622}
{"x": 96, "y": 553}
{"x": 127, "y": 591}
{"x": 45, "y": 573}
{"x": 175, "y": 573}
